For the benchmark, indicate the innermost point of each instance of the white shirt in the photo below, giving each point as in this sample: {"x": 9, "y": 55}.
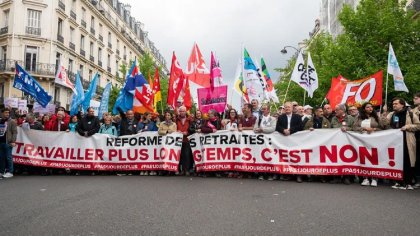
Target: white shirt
{"x": 289, "y": 119}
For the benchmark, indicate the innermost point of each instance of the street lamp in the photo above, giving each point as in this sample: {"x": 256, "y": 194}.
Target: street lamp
{"x": 284, "y": 51}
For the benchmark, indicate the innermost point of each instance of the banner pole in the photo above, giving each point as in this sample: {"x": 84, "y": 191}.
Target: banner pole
{"x": 386, "y": 92}
{"x": 304, "y": 97}
{"x": 287, "y": 90}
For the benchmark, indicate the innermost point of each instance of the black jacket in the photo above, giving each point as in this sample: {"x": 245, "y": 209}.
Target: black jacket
{"x": 124, "y": 126}
{"x": 295, "y": 123}
{"x": 90, "y": 124}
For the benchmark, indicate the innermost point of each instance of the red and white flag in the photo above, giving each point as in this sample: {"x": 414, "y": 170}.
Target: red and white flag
{"x": 176, "y": 82}
{"x": 62, "y": 79}
{"x": 197, "y": 71}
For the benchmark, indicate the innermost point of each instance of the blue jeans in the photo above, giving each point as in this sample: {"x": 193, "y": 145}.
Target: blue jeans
{"x": 6, "y": 155}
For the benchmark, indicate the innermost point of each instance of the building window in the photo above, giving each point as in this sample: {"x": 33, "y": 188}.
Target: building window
{"x": 82, "y": 42}
{"x": 71, "y": 34}
{"x": 6, "y": 18}
{"x": 57, "y": 60}
{"x": 69, "y": 94}
{"x": 91, "y": 48}
{"x": 90, "y": 75}
{"x": 108, "y": 62}
{"x": 117, "y": 69}
{"x": 31, "y": 58}
{"x": 92, "y": 22}
{"x": 3, "y": 54}
{"x": 100, "y": 29}
{"x": 109, "y": 37}
{"x": 34, "y": 18}
{"x": 81, "y": 69}
{"x": 70, "y": 65}
{"x": 100, "y": 54}
{"x": 60, "y": 27}
{"x": 57, "y": 94}
{"x": 83, "y": 14}
{"x": 118, "y": 44}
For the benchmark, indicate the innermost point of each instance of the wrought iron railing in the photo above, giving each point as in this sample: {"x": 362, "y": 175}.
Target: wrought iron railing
{"x": 33, "y": 30}
{"x": 32, "y": 68}
{"x": 72, "y": 46}
{"x": 82, "y": 52}
{"x": 60, "y": 38}
{"x": 62, "y": 5}
{"x": 4, "y": 30}
{"x": 73, "y": 14}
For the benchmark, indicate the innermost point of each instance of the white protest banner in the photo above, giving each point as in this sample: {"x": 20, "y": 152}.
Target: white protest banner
{"x": 11, "y": 102}
{"x": 41, "y": 110}
{"x": 23, "y": 106}
{"x": 319, "y": 152}
{"x": 145, "y": 151}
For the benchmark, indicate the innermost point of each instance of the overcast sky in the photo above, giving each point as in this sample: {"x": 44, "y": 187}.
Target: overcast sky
{"x": 264, "y": 27}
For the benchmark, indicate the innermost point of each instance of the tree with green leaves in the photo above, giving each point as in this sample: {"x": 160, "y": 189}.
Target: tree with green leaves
{"x": 362, "y": 49}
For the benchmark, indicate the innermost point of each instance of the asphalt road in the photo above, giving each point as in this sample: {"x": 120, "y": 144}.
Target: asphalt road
{"x": 153, "y": 205}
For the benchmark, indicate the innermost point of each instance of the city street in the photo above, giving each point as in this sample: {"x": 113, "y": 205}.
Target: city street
{"x": 153, "y": 205}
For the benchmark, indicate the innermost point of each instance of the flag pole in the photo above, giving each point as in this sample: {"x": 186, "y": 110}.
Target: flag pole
{"x": 386, "y": 92}
{"x": 304, "y": 97}
{"x": 287, "y": 90}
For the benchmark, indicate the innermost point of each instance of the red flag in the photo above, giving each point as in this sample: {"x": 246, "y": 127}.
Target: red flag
{"x": 187, "y": 95}
{"x": 176, "y": 81}
{"x": 197, "y": 72}
{"x": 145, "y": 97}
{"x": 357, "y": 92}
{"x": 215, "y": 72}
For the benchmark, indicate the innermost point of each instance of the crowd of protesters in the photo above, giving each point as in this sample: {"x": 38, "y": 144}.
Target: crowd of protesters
{"x": 287, "y": 120}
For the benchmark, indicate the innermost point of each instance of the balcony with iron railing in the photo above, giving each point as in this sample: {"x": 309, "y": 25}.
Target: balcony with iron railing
{"x": 82, "y": 52}
{"x": 108, "y": 69}
{"x": 33, "y": 68}
{"x": 33, "y": 30}
{"x": 92, "y": 31}
{"x": 118, "y": 52}
{"x": 83, "y": 23}
{"x": 125, "y": 57}
{"x": 101, "y": 38}
{"x": 100, "y": 63}
{"x": 4, "y": 30}
{"x": 72, "y": 46}
{"x": 110, "y": 45}
{"x": 91, "y": 58}
{"x": 85, "y": 83}
{"x": 60, "y": 38}
{"x": 73, "y": 15}
{"x": 71, "y": 76}
{"x": 61, "y": 5}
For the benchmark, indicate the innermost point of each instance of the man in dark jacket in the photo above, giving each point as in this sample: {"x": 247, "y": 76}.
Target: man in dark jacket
{"x": 128, "y": 124}
{"x": 288, "y": 124}
{"x": 8, "y": 135}
{"x": 89, "y": 124}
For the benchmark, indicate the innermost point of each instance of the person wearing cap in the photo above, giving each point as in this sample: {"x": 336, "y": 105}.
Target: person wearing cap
{"x": 307, "y": 114}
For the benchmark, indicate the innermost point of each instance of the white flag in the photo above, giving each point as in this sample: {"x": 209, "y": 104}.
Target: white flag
{"x": 299, "y": 73}
{"x": 394, "y": 69}
{"x": 62, "y": 78}
{"x": 312, "y": 76}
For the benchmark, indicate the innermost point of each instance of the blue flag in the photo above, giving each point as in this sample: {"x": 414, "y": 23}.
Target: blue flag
{"x": 126, "y": 94}
{"x": 27, "y": 84}
{"x": 78, "y": 96}
{"x": 105, "y": 100}
{"x": 90, "y": 92}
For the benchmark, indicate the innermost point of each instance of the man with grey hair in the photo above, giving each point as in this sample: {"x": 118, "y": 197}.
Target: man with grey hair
{"x": 33, "y": 124}
{"x": 256, "y": 108}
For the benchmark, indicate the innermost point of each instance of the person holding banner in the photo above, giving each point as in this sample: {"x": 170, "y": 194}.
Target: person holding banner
{"x": 73, "y": 124}
{"x": 265, "y": 124}
{"x": 89, "y": 124}
{"x": 146, "y": 124}
{"x": 255, "y": 108}
{"x": 58, "y": 124}
{"x": 328, "y": 112}
{"x": 317, "y": 121}
{"x": 368, "y": 122}
{"x": 196, "y": 123}
{"x": 33, "y": 124}
{"x": 409, "y": 123}
{"x": 107, "y": 127}
{"x": 232, "y": 123}
{"x": 345, "y": 123}
{"x": 8, "y": 135}
{"x": 128, "y": 125}
{"x": 287, "y": 124}
{"x": 167, "y": 126}
{"x": 212, "y": 124}
{"x": 248, "y": 120}
{"x": 183, "y": 125}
